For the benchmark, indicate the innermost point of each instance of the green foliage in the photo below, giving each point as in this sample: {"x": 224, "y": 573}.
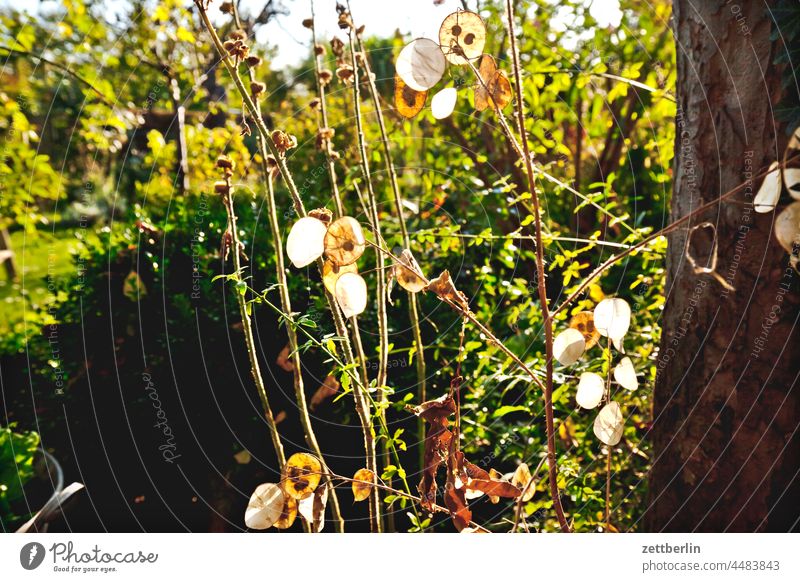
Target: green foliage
{"x": 17, "y": 450}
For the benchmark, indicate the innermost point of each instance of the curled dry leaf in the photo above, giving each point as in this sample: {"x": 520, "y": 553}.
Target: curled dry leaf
{"x": 283, "y": 360}
{"x": 362, "y": 484}
{"x": 444, "y": 287}
{"x": 408, "y": 101}
{"x": 288, "y": 513}
{"x": 331, "y": 272}
{"x": 612, "y": 318}
{"x": 591, "y": 388}
{"x": 522, "y": 480}
{"x": 420, "y": 64}
{"x": 351, "y": 294}
{"x": 455, "y": 489}
{"x": 302, "y": 475}
{"x": 327, "y": 390}
{"x": 493, "y": 88}
{"x": 462, "y": 37}
{"x": 437, "y": 444}
{"x": 405, "y": 271}
{"x": 609, "y": 424}
{"x": 265, "y": 506}
{"x": 443, "y": 103}
{"x": 584, "y": 323}
{"x": 768, "y": 194}
{"x": 625, "y": 374}
{"x": 312, "y": 508}
{"x": 306, "y": 241}
{"x": 569, "y": 346}
{"x": 344, "y": 241}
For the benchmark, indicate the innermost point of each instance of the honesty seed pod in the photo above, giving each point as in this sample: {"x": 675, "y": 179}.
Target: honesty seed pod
{"x": 302, "y": 475}
{"x": 443, "y": 103}
{"x": 591, "y": 388}
{"x": 612, "y": 318}
{"x": 306, "y": 241}
{"x": 462, "y": 37}
{"x": 344, "y": 241}
{"x": 625, "y": 374}
{"x": 406, "y": 271}
{"x": 420, "y": 64}
{"x": 331, "y": 273}
{"x": 568, "y": 346}
{"x": 265, "y": 506}
{"x": 351, "y": 294}
{"x": 609, "y": 424}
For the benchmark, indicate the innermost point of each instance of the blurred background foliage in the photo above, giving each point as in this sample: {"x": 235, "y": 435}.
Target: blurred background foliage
{"x": 115, "y": 250}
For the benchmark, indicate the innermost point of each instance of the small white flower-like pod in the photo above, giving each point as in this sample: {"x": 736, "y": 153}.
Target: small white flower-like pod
{"x": 351, "y": 293}
{"x": 767, "y": 196}
{"x": 306, "y": 241}
{"x": 612, "y": 318}
{"x": 421, "y": 64}
{"x": 569, "y": 346}
{"x": 265, "y": 506}
{"x": 625, "y": 374}
{"x": 443, "y": 103}
{"x": 591, "y": 388}
{"x": 609, "y": 424}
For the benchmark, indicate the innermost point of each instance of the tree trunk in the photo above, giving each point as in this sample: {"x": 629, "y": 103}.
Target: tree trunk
{"x": 726, "y": 451}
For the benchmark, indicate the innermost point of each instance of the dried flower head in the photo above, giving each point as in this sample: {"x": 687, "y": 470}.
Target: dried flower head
{"x": 272, "y": 166}
{"x": 308, "y": 23}
{"x": 226, "y": 164}
{"x": 257, "y": 88}
{"x": 324, "y": 136}
{"x": 315, "y": 104}
{"x": 360, "y": 30}
{"x": 253, "y": 61}
{"x": 337, "y": 46}
{"x": 319, "y": 50}
{"x": 325, "y": 76}
{"x": 345, "y": 74}
{"x": 322, "y": 214}
{"x": 236, "y": 47}
{"x": 226, "y": 7}
{"x": 237, "y": 35}
{"x": 221, "y": 187}
{"x": 283, "y": 141}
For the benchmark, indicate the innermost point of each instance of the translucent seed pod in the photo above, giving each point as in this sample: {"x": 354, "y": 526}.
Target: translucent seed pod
{"x": 612, "y": 318}
{"x": 406, "y": 273}
{"x": 331, "y": 273}
{"x": 591, "y": 388}
{"x": 265, "y": 506}
{"x": 420, "y": 64}
{"x": 569, "y": 346}
{"x": 443, "y": 103}
{"x": 344, "y": 242}
{"x": 351, "y": 294}
{"x": 306, "y": 241}
{"x": 625, "y": 374}
{"x": 609, "y": 424}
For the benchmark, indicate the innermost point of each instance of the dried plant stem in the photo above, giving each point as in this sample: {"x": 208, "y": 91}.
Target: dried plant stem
{"x": 361, "y": 402}
{"x": 286, "y": 304}
{"x": 372, "y": 210}
{"x": 413, "y": 301}
{"x": 252, "y": 353}
{"x": 323, "y": 118}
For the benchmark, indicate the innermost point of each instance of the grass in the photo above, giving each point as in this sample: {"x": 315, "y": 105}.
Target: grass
{"x": 40, "y": 258}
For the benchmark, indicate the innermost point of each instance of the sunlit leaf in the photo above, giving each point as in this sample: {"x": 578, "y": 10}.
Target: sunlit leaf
{"x": 362, "y": 484}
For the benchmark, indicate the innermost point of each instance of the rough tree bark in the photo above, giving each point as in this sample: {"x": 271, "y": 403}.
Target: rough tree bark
{"x": 727, "y": 402}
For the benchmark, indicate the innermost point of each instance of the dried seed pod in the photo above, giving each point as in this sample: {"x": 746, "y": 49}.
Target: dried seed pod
{"x": 226, "y": 7}
{"x": 265, "y": 506}
{"x": 768, "y": 194}
{"x": 346, "y": 74}
{"x": 257, "y": 88}
{"x": 306, "y": 241}
{"x": 787, "y": 228}
{"x": 331, "y": 273}
{"x": 791, "y": 177}
{"x": 344, "y": 241}
{"x": 315, "y": 104}
{"x": 462, "y": 37}
{"x": 584, "y": 323}
{"x": 325, "y": 76}
{"x": 351, "y": 294}
{"x": 237, "y": 35}
{"x": 590, "y": 390}
{"x": 443, "y": 103}
{"x": 283, "y": 141}
{"x": 337, "y": 47}
{"x": 609, "y": 424}
{"x": 569, "y": 346}
{"x": 625, "y": 374}
{"x": 420, "y": 64}
{"x": 225, "y": 163}
{"x": 406, "y": 273}
{"x": 408, "y": 101}
{"x": 362, "y": 484}
{"x": 253, "y": 61}
{"x": 288, "y": 513}
{"x": 322, "y": 214}
{"x": 302, "y": 475}
{"x": 494, "y": 88}
{"x": 520, "y": 479}
{"x": 319, "y": 50}
{"x": 308, "y": 23}
{"x": 612, "y": 318}
{"x": 221, "y": 187}
{"x": 312, "y": 508}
